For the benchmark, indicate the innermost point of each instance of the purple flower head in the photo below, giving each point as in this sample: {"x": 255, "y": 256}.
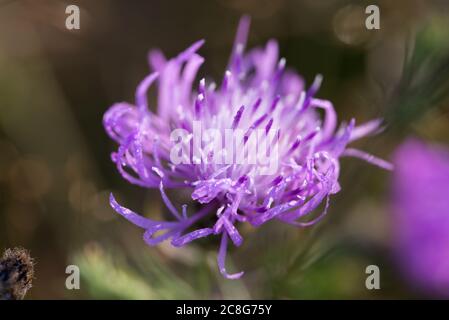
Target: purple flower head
{"x": 421, "y": 215}
{"x": 268, "y": 105}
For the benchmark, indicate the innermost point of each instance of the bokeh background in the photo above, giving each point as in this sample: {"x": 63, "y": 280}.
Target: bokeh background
{"x": 56, "y": 173}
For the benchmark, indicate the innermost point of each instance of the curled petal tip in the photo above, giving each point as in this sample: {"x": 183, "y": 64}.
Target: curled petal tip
{"x": 233, "y": 276}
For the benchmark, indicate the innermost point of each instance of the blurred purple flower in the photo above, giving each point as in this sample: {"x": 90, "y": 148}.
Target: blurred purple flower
{"x": 257, "y": 92}
{"x": 421, "y": 214}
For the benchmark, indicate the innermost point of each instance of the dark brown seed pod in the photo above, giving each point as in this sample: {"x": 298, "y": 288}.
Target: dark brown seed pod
{"x": 16, "y": 274}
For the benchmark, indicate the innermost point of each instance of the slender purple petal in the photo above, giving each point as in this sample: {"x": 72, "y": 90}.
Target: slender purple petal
{"x": 266, "y": 173}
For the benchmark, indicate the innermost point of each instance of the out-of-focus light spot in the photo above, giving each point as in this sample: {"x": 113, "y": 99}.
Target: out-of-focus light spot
{"x": 349, "y": 25}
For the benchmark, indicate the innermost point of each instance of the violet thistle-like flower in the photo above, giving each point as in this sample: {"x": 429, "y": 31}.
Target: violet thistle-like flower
{"x": 16, "y": 274}
{"x": 421, "y": 215}
{"x": 257, "y": 93}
